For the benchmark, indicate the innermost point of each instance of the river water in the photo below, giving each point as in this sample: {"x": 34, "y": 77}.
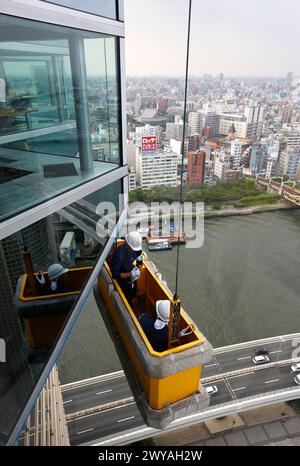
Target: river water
{"x": 242, "y": 284}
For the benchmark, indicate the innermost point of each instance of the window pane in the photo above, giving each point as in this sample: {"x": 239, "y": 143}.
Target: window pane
{"x": 102, "y": 8}
{"x": 59, "y": 111}
{"x": 30, "y": 326}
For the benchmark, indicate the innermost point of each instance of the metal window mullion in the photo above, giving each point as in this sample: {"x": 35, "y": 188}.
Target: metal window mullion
{"x": 122, "y": 93}
{"x": 48, "y": 420}
{"x": 61, "y": 16}
{"x": 27, "y": 432}
{"x": 79, "y": 79}
{"x": 37, "y": 422}
{"x": 59, "y": 411}
{"x": 43, "y": 418}
{"x": 60, "y": 201}
{"x": 53, "y": 433}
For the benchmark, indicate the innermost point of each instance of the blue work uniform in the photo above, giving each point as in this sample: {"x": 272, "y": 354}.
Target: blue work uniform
{"x": 158, "y": 339}
{"x": 122, "y": 262}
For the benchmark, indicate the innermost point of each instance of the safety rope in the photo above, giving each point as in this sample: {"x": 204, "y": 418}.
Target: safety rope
{"x": 182, "y": 148}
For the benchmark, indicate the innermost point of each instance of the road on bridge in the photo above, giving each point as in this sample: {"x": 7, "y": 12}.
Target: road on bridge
{"x": 106, "y": 390}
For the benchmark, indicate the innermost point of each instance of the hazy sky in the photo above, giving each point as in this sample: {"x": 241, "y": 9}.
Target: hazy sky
{"x": 236, "y": 37}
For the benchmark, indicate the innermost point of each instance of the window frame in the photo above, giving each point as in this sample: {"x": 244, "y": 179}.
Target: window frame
{"x": 49, "y": 13}
{"x": 60, "y": 16}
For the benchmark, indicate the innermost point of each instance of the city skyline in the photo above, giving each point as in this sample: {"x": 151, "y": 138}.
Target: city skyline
{"x": 258, "y": 39}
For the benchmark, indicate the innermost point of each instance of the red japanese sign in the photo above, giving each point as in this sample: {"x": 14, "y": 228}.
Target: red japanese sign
{"x": 148, "y": 143}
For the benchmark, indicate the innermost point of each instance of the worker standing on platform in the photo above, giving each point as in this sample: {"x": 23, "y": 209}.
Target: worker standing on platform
{"x": 122, "y": 267}
{"x": 156, "y": 330}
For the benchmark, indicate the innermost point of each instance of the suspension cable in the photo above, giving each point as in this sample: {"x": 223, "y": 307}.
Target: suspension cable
{"x": 183, "y": 141}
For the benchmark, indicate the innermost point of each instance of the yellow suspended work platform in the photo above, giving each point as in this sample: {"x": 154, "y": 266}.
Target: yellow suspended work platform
{"x": 166, "y": 385}
{"x": 43, "y": 312}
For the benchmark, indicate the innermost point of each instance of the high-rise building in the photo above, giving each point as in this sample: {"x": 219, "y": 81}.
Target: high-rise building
{"x": 157, "y": 169}
{"x": 196, "y": 168}
{"x": 298, "y": 172}
{"x": 131, "y": 151}
{"x": 288, "y": 163}
{"x": 235, "y": 154}
{"x": 220, "y": 166}
{"x": 247, "y": 126}
{"x": 174, "y": 130}
{"x": 257, "y": 160}
{"x": 271, "y": 167}
{"x": 293, "y": 141}
{"x": 254, "y": 119}
{"x": 146, "y": 130}
{"x": 196, "y": 122}
{"x": 132, "y": 179}
{"x": 212, "y": 121}
{"x": 286, "y": 114}
{"x": 62, "y": 152}
{"x": 240, "y": 125}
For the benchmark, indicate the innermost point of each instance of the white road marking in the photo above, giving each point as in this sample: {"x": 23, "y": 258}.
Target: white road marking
{"x": 245, "y": 357}
{"x": 210, "y": 365}
{"x": 236, "y": 389}
{"x": 241, "y": 375}
{"x": 67, "y": 401}
{"x": 126, "y": 419}
{"x": 99, "y": 413}
{"x": 84, "y": 431}
{"x": 278, "y": 351}
{"x": 105, "y": 391}
{"x": 270, "y": 381}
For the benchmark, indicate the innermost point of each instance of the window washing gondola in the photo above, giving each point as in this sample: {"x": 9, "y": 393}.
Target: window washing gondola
{"x": 43, "y": 301}
{"x": 165, "y": 382}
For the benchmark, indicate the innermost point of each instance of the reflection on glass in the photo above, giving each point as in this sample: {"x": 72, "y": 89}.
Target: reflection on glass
{"x": 59, "y": 110}
{"x": 102, "y": 8}
{"x": 44, "y": 268}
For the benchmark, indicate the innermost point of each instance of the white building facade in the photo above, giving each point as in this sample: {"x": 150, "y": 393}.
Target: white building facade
{"x": 235, "y": 154}
{"x": 157, "y": 169}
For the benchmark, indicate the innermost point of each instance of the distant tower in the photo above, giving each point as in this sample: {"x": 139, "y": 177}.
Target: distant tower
{"x": 231, "y": 134}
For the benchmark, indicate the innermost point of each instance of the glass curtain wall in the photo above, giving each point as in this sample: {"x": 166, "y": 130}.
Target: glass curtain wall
{"x": 33, "y": 312}
{"x": 106, "y": 8}
{"x": 59, "y": 111}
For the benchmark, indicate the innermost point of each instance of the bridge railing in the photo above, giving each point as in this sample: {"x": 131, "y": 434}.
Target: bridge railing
{"x": 248, "y": 370}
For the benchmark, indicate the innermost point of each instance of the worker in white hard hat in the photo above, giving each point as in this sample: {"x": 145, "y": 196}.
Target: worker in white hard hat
{"x": 55, "y": 271}
{"x": 156, "y": 329}
{"x": 122, "y": 264}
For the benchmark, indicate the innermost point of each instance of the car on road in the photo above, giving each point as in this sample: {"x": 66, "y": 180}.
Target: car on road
{"x": 262, "y": 350}
{"x": 297, "y": 379}
{"x": 262, "y": 359}
{"x": 212, "y": 390}
{"x": 295, "y": 368}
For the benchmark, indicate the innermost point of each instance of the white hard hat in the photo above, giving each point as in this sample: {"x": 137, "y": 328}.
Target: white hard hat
{"x": 134, "y": 240}
{"x": 163, "y": 310}
{"x": 55, "y": 271}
